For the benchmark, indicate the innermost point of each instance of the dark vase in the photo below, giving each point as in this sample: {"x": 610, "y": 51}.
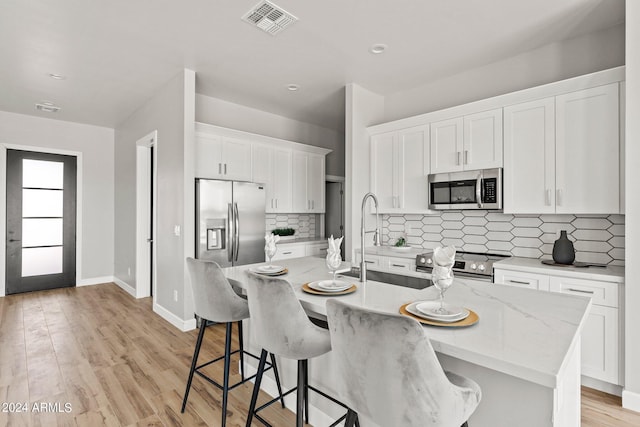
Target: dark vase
{"x": 563, "y": 252}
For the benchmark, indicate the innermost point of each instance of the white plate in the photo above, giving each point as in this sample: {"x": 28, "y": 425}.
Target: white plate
{"x": 267, "y": 269}
{"x": 411, "y": 308}
{"x": 430, "y": 308}
{"x": 330, "y": 285}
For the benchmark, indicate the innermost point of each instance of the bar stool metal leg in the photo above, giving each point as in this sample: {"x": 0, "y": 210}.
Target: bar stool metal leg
{"x": 306, "y": 391}
{"x": 352, "y": 419}
{"x": 256, "y": 387}
{"x": 241, "y": 344}
{"x": 227, "y": 362}
{"x": 274, "y": 365}
{"x": 300, "y": 395}
{"x": 194, "y": 362}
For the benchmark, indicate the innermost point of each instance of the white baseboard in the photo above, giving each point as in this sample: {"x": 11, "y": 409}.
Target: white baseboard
{"x": 631, "y": 400}
{"x": 183, "y": 325}
{"x": 268, "y": 385}
{"x": 606, "y": 387}
{"x": 125, "y": 286}
{"x": 95, "y": 281}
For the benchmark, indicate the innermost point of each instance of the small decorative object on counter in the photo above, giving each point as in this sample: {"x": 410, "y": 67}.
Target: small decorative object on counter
{"x": 563, "y": 251}
{"x": 270, "y": 248}
{"x": 442, "y": 274}
{"x": 401, "y": 242}
{"x": 334, "y": 259}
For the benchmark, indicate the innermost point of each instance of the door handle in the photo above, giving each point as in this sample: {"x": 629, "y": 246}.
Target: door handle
{"x": 237, "y": 230}
{"x": 230, "y": 239}
{"x": 479, "y": 190}
{"x": 548, "y": 197}
{"x": 149, "y": 240}
{"x": 466, "y": 157}
{"x": 457, "y": 158}
{"x": 225, "y": 168}
{"x": 14, "y": 240}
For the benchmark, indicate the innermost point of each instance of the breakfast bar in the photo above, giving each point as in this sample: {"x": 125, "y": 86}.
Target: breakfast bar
{"x": 524, "y": 351}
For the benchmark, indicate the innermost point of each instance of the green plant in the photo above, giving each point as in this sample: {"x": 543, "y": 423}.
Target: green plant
{"x": 283, "y": 231}
{"x": 401, "y": 241}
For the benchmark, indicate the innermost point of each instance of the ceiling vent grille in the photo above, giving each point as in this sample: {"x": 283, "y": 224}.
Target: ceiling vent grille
{"x": 269, "y": 18}
{"x": 47, "y": 107}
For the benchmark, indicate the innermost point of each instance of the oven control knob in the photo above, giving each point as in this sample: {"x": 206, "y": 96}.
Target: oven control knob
{"x": 429, "y": 261}
{"x": 422, "y": 260}
{"x": 473, "y": 266}
{"x": 481, "y": 267}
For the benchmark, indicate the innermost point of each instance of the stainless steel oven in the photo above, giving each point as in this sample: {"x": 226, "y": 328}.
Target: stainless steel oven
{"x": 474, "y": 265}
{"x": 474, "y": 189}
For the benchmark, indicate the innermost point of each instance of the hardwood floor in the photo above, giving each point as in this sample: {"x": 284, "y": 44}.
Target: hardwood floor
{"x": 113, "y": 362}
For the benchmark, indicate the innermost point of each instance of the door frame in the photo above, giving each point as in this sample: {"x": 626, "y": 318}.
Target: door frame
{"x": 144, "y": 201}
{"x": 341, "y": 180}
{"x": 3, "y": 206}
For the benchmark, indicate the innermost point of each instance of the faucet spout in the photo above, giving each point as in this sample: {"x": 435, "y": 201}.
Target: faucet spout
{"x": 363, "y": 232}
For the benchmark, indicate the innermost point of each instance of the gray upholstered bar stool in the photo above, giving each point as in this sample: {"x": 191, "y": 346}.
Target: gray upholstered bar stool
{"x": 390, "y": 372}
{"x": 280, "y": 326}
{"x": 216, "y": 302}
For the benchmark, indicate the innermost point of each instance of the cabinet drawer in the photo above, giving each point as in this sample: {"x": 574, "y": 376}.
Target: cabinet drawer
{"x": 522, "y": 280}
{"x": 601, "y": 293}
{"x": 371, "y": 260}
{"x": 400, "y": 264}
{"x": 316, "y": 250}
{"x": 289, "y": 251}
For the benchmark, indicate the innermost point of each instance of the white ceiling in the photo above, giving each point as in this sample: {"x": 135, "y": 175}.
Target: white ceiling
{"x": 117, "y": 53}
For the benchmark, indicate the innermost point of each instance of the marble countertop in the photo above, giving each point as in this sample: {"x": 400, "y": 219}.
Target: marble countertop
{"x": 521, "y": 332}
{"x": 531, "y": 265}
{"x": 391, "y": 251}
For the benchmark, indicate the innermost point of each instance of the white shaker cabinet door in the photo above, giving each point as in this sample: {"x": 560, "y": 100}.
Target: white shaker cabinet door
{"x": 383, "y": 171}
{"x": 281, "y": 174}
{"x": 236, "y": 156}
{"x": 482, "y": 148}
{"x": 588, "y": 151}
{"x": 447, "y": 146}
{"x": 529, "y": 157}
{"x": 413, "y": 168}
{"x": 600, "y": 354}
{"x": 209, "y": 156}
{"x": 315, "y": 182}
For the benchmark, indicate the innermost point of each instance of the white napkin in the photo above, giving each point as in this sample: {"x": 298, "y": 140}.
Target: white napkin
{"x": 443, "y": 258}
{"x": 333, "y": 252}
{"x": 270, "y": 241}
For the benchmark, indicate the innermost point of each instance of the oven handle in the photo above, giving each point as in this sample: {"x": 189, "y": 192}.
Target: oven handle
{"x": 479, "y": 189}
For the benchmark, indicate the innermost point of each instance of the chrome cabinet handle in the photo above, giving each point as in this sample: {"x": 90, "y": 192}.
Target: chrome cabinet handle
{"x": 458, "y": 158}
{"x": 230, "y": 239}
{"x": 519, "y": 282}
{"x": 225, "y": 168}
{"x": 276, "y": 203}
{"x": 548, "y": 198}
{"x": 559, "y": 197}
{"x": 219, "y": 168}
{"x": 466, "y": 157}
{"x": 237, "y": 230}
{"x": 479, "y": 190}
{"x": 580, "y": 290}
{"x": 287, "y": 253}
{"x": 398, "y": 265}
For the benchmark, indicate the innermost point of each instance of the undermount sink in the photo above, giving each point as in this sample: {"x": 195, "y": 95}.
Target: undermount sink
{"x": 393, "y": 279}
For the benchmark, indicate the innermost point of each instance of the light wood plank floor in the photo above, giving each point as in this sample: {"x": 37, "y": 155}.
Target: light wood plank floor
{"x": 116, "y": 363}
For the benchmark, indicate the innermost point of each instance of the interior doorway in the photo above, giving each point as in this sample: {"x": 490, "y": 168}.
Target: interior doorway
{"x": 146, "y": 155}
{"x": 41, "y": 191}
{"x": 334, "y": 210}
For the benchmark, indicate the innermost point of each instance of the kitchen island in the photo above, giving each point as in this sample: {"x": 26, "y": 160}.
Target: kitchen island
{"x": 524, "y": 352}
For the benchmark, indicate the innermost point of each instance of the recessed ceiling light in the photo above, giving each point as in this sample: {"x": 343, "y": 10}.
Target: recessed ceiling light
{"x": 47, "y": 107}
{"x": 378, "y": 48}
{"x": 57, "y": 76}
{"x": 293, "y": 87}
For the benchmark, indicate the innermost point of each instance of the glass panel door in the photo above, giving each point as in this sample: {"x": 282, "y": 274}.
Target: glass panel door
{"x": 41, "y": 201}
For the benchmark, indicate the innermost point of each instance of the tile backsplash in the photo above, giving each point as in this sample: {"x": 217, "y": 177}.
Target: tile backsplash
{"x": 304, "y": 224}
{"x": 596, "y": 238}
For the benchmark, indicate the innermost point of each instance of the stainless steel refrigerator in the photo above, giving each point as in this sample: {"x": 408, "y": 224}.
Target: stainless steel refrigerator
{"x": 230, "y": 221}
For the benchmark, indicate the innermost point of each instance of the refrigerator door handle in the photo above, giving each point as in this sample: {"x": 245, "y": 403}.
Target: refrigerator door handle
{"x": 236, "y": 231}
{"x": 230, "y": 235}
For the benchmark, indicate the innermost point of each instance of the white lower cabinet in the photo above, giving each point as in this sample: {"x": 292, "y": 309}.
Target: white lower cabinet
{"x": 601, "y": 350}
{"x": 300, "y": 249}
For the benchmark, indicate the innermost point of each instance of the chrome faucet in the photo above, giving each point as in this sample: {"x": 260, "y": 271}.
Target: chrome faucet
{"x": 376, "y": 235}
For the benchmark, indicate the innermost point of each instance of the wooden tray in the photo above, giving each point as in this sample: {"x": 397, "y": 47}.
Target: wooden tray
{"x": 309, "y": 290}
{"x": 471, "y": 319}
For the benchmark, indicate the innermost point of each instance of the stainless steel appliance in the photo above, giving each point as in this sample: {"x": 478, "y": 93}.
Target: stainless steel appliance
{"x": 230, "y": 221}
{"x": 475, "y": 265}
{"x": 474, "y": 189}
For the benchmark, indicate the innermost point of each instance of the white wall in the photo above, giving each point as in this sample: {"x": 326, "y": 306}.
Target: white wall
{"x": 171, "y": 113}
{"x": 227, "y": 114}
{"x": 96, "y": 147}
{"x": 558, "y": 61}
{"x": 363, "y": 108}
{"x": 631, "y": 393}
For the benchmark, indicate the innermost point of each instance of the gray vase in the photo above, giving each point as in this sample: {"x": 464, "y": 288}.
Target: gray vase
{"x": 563, "y": 251}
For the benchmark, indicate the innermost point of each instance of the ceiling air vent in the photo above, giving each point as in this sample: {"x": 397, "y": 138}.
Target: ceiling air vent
{"x": 269, "y": 17}
{"x": 47, "y": 107}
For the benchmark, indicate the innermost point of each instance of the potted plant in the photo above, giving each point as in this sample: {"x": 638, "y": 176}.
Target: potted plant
{"x": 285, "y": 233}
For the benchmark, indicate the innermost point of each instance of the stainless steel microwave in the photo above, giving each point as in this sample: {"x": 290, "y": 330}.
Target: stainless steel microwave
{"x": 474, "y": 189}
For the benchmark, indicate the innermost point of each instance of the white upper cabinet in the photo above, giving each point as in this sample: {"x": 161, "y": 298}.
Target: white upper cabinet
{"x": 466, "y": 143}
{"x": 588, "y": 151}
{"x": 562, "y": 154}
{"x": 222, "y": 157}
{"x": 272, "y": 167}
{"x": 308, "y": 177}
{"x": 399, "y": 169}
{"x": 529, "y": 157}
